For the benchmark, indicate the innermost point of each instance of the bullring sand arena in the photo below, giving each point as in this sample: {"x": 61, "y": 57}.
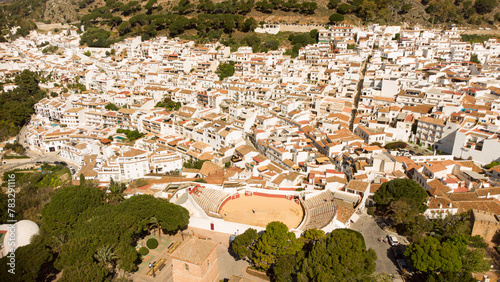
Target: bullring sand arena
{"x": 241, "y": 210}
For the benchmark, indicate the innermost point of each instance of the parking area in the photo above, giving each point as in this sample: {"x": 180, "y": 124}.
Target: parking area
{"x": 372, "y": 232}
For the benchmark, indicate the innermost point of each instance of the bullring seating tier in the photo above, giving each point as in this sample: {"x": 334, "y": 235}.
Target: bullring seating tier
{"x": 319, "y": 210}
{"x": 209, "y": 200}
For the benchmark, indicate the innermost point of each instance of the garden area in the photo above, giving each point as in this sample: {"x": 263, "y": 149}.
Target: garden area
{"x": 155, "y": 254}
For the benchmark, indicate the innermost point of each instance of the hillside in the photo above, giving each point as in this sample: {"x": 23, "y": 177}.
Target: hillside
{"x": 109, "y": 20}
{"x": 355, "y": 11}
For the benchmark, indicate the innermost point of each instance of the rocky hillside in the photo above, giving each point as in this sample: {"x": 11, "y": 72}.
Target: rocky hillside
{"x": 410, "y": 12}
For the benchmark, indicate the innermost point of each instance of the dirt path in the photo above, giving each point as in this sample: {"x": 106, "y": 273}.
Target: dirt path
{"x": 47, "y": 27}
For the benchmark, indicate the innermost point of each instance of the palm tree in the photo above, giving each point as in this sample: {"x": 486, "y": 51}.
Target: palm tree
{"x": 106, "y": 255}
{"x": 155, "y": 224}
{"x": 115, "y": 191}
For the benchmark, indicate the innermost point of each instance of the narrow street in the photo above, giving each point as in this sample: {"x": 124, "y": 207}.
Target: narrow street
{"x": 357, "y": 97}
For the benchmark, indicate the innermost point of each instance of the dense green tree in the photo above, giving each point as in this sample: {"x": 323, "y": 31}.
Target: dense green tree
{"x": 275, "y": 242}
{"x": 344, "y": 8}
{"x": 429, "y": 255}
{"x": 115, "y": 21}
{"x": 108, "y": 232}
{"x": 225, "y": 70}
{"x": 406, "y": 8}
{"x": 410, "y": 194}
{"x": 288, "y": 266}
{"x": 265, "y": 6}
{"x": 485, "y": 6}
{"x": 367, "y": 10}
{"x": 339, "y": 256}
{"x": 474, "y": 59}
{"x": 271, "y": 44}
{"x": 313, "y": 235}
{"x": 96, "y": 37}
{"x": 132, "y": 135}
{"x": 249, "y": 25}
{"x": 451, "y": 277}
{"x": 30, "y": 264}
{"x": 124, "y": 28}
{"x": 454, "y": 254}
{"x": 336, "y": 17}
{"x": 242, "y": 244}
{"x": 308, "y": 8}
{"x": 17, "y": 106}
{"x": 332, "y": 4}
{"x": 4, "y": 215}
{"x": 67, "y": 207}
{"x": 442, "y": 10}
{"x": 111, "y": 107}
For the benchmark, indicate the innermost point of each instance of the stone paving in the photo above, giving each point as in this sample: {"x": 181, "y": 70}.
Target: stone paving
{"x": 155, "y": 255}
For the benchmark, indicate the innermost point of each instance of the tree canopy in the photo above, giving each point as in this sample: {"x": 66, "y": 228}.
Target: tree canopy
{"x": 17, "y": 106}
{"x": 242, "y": 244}
{"x": 89, "y": 237}
{"x": 402, "y": 192}
{"x": 275, "y": 242}
{"x": 454, "y": 254}
{"x": 111, "y": 107}
{"x": 339, "y": 256}
{"x": 225, "y": 70}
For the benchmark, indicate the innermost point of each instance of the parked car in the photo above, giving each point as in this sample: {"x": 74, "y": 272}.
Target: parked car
{"x": 393, "y": 240}
{"x": 398, "y": 252}
{"x": 402, "y": 264}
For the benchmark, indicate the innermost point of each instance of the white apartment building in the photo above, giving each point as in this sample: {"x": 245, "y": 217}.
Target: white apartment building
{"x": 429, "y": 131}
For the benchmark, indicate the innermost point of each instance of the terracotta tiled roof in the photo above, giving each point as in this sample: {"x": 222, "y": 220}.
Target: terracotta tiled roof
{"x": 194, "y": 251}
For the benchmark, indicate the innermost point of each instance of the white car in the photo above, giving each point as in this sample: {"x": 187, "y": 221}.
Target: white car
{"x": 393, "y": 240}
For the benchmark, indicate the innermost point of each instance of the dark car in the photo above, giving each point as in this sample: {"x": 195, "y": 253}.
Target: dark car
{"x": 402, "y": 264}
{"x": 398, "y": 252}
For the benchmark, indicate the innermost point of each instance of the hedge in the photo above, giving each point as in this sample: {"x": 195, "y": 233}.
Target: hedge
{"x": 143, "y": 251}
{"x": 152, "y": 243}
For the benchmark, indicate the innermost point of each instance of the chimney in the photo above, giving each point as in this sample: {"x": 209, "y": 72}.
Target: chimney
{"x": 488, "y": 195}
{"x": 449, "y": 205}
{"x": 440, "y": 206}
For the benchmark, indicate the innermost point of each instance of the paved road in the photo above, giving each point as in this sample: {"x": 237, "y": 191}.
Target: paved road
{"x": 371, "y": 231}
{"x": 34, "y": 157}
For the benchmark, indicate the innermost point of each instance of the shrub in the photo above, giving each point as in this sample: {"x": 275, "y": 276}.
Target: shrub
{"x": 143, "y": 251}
{"x": 485, "y": 6}
{"x": 152, "y": 243}
{"x": 336, "y": 17}
{"x": 492, "y": 164}
{"x": 396, "y": 145}
{"x": 371, "y": 211}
